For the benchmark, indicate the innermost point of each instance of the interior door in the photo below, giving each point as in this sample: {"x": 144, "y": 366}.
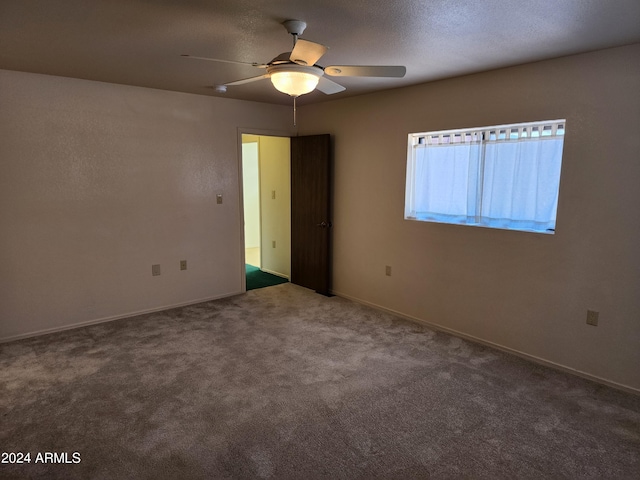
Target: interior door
{"x": 310, "y": 212}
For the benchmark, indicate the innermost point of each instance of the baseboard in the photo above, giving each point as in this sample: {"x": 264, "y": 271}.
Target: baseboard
{"x": 526, "y": 356}
{"x": 277, "y": 274}
{"x": 112, "y": 318}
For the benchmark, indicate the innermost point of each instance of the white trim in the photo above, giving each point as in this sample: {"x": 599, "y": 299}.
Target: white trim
{"x": 526, "y": 356}
{"x": 87, "y": 323}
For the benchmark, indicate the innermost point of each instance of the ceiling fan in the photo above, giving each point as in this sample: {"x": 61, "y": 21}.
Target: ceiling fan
{"x": 296, "y": 72}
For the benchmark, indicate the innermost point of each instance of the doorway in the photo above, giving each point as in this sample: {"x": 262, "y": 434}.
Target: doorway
{"x": 266, "y": 181}
{"x": 294, "y": 192}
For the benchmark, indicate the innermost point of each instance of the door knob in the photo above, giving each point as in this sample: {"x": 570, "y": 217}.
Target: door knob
{"x": 324, "y": 224}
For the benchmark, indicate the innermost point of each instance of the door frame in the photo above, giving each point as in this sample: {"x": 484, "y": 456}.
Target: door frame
{"x": 249, "y": 131}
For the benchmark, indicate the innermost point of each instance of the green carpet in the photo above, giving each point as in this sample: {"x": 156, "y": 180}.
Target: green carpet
{"x": 256, "y": 278}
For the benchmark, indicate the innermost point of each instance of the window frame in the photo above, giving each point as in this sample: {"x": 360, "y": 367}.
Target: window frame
{"x": 500, "y": 136}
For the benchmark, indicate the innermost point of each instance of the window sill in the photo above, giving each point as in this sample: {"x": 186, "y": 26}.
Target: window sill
{"x": 486, "y": 223}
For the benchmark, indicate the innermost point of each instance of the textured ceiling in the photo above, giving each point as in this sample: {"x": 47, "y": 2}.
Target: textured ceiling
{"x": 139, "y": 42}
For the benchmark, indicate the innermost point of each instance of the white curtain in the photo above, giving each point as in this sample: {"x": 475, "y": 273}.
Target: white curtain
{"x": 446, "y": 182}
{"x": 500, "y": 177}
{"x": 521, "y": 181}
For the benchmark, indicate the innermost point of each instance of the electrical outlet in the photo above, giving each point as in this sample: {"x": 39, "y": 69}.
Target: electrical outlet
{"x": 387, "y": 271}
{"x": 155, "y": 270}
{"x": 592, "y": 318}
{"x": 183, "y": 264}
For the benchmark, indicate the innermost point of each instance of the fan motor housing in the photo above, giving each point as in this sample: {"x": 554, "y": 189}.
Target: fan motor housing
{"x": 294, "y": 67}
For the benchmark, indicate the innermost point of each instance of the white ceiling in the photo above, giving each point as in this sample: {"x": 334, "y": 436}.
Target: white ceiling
{"x": 139, "y": 42}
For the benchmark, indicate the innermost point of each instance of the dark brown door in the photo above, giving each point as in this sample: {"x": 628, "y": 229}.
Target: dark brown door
{"x": 310, "y": 210}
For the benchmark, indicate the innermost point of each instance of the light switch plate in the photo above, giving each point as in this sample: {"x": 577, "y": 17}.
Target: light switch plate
{"x": 592, "y": 317}
{"x": 219, "y": 198}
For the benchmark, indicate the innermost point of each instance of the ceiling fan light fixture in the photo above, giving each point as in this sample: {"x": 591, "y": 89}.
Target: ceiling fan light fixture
{"x": 294, "y": 83}
{"x": 296, "y": 72}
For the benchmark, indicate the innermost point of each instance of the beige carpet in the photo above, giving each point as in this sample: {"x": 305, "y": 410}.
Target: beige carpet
{"x": 284, "y": 383}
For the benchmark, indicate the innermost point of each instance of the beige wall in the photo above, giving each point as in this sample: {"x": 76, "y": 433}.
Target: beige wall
{"x": 523, "y": 291}
{"x": 275, "y": 161}
{"x": 251, "y": 193}
{"x": 99, "y": 181}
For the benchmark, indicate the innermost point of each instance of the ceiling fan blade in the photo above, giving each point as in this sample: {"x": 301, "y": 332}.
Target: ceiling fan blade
{"x": 307, "y": 53}
{"x": 252, "y": 64}
{"x": 365, "y": 71}
{"x": 329, "y": 87}
{"x": 247, "y": 80}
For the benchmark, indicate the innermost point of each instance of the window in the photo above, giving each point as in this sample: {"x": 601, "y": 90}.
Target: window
{"x": 506, "y": 176}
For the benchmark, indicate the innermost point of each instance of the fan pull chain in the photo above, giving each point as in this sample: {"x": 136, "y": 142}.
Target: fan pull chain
{"x": 294, "y": 111}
